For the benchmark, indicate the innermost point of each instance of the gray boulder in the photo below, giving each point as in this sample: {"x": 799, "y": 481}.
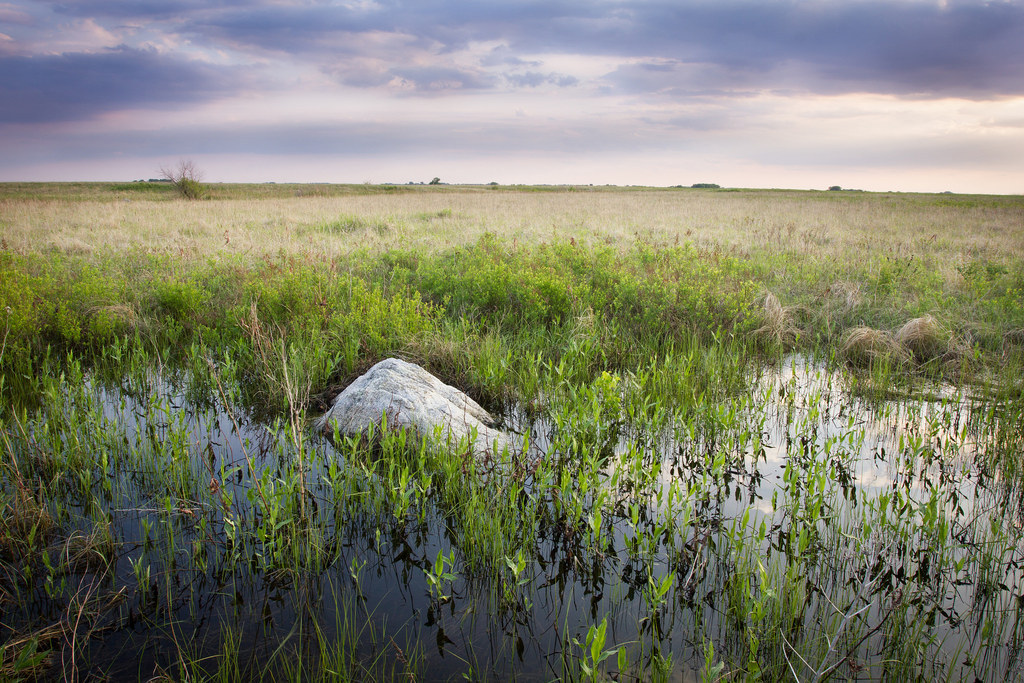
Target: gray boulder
{"x": 413, "y": 398}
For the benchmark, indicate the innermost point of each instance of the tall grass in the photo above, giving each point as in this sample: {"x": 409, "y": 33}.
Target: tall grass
{"x": 690, "y": 498}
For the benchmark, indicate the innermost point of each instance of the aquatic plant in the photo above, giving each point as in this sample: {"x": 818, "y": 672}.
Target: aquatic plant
{"x": 689, "y": 499}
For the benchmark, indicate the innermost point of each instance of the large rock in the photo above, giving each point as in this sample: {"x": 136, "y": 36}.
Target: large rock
{"x": 411, "y": 397}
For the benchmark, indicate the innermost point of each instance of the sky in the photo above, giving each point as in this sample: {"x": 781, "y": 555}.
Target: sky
{"x": 903, "y": 95}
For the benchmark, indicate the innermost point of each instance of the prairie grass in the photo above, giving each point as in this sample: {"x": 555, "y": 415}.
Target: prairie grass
{"x": 815, "y": 224}
{"x": 868, "y": 259}
{"x": 691, "y": 499}
{"x": 778, "y": 329}
{"x": 926, "y": 339}
{"x": 863, "y": 345}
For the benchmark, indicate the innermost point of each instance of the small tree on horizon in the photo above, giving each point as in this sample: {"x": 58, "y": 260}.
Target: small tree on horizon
{"x": 186, "y": 178}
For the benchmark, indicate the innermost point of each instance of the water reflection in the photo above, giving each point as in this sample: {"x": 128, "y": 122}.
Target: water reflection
{"x": 797, "y": 489}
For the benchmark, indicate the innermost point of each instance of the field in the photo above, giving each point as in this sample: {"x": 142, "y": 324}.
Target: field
{"x": 770, "y": 435}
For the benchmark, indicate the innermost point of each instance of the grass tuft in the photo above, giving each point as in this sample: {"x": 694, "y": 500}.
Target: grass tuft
{"x": 926, "y": 339}
{"x": 89, "y": 551}
{"x": 778, "y": 328}
{"x": 863, "y": 345}
{"x": 24, "y": 523}
{"x": 1014, "y": 337}
{"x": 844, "y": 295}
{"x": 28, "y": 657}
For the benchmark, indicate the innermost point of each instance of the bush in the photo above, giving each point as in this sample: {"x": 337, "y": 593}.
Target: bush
{"x": 185, "y": 178}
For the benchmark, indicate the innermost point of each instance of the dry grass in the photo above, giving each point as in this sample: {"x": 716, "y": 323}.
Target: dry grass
{"x": 924, "y": 338}
{"x": 23, "y": 518}
{"x": 828, "y": 252}
{"x": 274, "y": 359}
{"x": 843, "y": 297}
{"x": 864, "y": 345}
{"x": 45, "y": 652}
{"x": 921, "y": 340}
{"x": 27, "y": 657}
{"x": 928, "y": 340}
{"x": 1015, "y": 337}
{"x": 738, "y": 223}
{"x": 778, "y": 328}
{"x": 88, "y": 552}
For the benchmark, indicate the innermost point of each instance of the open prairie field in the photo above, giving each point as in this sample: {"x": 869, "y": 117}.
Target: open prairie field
{"x": 762, "y": 435}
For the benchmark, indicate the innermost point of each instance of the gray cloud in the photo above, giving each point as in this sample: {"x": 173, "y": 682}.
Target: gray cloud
{"x": 349, "y": 139}
{"x": 534, "y": 79}
{"x": 441, "y": 79}
{"x": 684, "y": 73}
{"x": 968, "y": 48}
{"x": 692, "y": 134}
{"x": 948, "y": 152}
{"x": 10, "y": 14}
{"x": 77, "y": 86}
{"x": 138, "y": 9}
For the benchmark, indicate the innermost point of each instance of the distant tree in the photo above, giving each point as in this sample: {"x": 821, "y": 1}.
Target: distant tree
{"x": 835, "y": 188}
{"x": 185, "y": 177}
{"x": 435, "y": 181}
{"x": 706, "y": 186}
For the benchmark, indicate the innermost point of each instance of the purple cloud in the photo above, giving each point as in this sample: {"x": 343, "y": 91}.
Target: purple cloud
{"x": 77, "y": 86}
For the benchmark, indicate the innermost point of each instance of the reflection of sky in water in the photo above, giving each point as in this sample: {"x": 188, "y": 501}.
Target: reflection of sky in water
{"x": 804, "y": 414}
{"x": 873, "y": 450}
{"x": 808, "y": 412}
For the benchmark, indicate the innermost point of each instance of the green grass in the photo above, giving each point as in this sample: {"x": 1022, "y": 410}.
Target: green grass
{"x": 723, "y": 491}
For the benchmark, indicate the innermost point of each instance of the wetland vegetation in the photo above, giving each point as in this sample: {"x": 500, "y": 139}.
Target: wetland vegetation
{"x": 770, "y": 435}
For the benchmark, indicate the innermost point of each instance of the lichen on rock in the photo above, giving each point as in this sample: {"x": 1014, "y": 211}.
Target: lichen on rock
{"x": 410, "y": 397}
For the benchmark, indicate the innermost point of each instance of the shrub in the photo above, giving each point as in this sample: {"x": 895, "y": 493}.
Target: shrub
{"x": 185, "y": 177}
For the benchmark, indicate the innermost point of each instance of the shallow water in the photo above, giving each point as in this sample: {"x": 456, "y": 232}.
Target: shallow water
{"x": 878, "y": 480}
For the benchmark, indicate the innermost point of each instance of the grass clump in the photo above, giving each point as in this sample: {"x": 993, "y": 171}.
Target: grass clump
{"x": 926, "y": 340}
{"x": 27, "y": 658}
{"x": 778, "y": 329}
{"x": 921, "y": 341}
{"x": 346, "y": 225}
{"x": 25, "y": 523}
{"x": 863, "y": 345}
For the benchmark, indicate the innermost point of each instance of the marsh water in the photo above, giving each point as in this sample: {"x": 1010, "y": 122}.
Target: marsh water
{"x": 887, "y": 515}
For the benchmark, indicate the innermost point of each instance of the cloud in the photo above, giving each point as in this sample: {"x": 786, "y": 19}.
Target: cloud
{"x": 12, "y": 14}
{"x": 76, "y": 86}
{"x": 700, "y": 133}
{"x": 798, "y": 82}
{"x": 138, "y": 9}
{"x": 439, "y": 78}
{"x": 411, "y": 138}
{"x": 534, "y": 79}
{"x": 968, "y": 49}
{"x": 962, "y": 48}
